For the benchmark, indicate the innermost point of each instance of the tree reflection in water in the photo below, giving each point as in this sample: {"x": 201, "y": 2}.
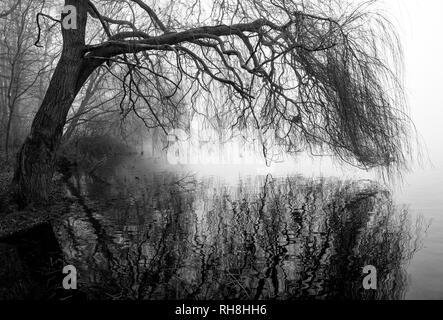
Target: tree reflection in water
{"x": 169, "y": 236}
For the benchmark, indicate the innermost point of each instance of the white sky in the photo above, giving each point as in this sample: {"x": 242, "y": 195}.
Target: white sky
{"x": 420, "y": 27}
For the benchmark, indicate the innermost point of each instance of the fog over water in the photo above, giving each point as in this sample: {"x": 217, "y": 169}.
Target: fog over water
{"x": 419, "y": 22}
{"x": 421, "y": 189}
{"x": 220, "y": 218}
{"x": 179, "y": 203}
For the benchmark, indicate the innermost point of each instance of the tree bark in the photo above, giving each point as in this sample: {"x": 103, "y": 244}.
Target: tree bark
{"x": 92, "y": 85}
{"x": 8, "y": 131}
{"x": 36, "y": 159}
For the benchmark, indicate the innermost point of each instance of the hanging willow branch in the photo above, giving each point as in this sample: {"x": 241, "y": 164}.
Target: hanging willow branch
{"x": 322, "y": 76}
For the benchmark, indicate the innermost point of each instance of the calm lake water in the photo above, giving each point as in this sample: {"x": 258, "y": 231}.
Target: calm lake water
{"x": 422, "y": 191}
{"x": 143, "y": 233}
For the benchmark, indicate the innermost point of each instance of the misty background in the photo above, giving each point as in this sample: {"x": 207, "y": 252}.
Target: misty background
{"x": 236, "y": 216}
{"x": 420, "y": 25}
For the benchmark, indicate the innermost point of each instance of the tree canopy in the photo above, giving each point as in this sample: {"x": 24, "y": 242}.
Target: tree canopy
{"x": 323, "y": 76}
{"x": 319, "y": 75}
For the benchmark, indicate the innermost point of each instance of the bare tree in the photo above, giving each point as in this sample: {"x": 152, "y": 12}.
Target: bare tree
{"x": 318, "y": 74}
{"x": 21, "y": 67}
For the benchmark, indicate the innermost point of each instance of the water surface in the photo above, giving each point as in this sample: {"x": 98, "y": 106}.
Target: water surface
{"x": 142, "y": 233}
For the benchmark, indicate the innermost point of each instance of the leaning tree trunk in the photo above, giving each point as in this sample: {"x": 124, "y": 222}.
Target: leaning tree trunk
{"x": 36, "y": 159}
